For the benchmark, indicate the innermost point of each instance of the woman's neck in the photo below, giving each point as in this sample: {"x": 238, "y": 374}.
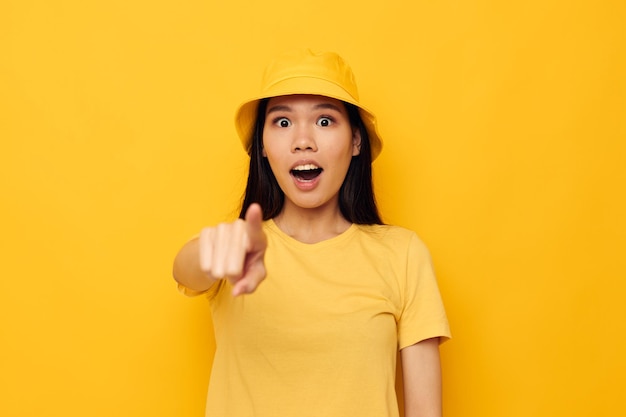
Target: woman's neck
{"x": 311, "y": 225}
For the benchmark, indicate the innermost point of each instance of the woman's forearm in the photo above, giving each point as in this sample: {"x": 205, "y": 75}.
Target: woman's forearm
{"x": 187, "y": 270}
{"x": 421, "y": 371}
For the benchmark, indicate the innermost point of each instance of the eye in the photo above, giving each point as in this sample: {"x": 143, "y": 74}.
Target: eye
{"x": 282, "y": 122}
{"x": 324, "y": 121}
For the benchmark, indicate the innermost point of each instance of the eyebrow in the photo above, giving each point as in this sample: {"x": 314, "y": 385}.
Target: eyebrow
{"x": 319, "y": 106}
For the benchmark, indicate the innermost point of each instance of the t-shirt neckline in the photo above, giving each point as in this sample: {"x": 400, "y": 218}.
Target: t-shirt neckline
{"x": 335, "y": 240}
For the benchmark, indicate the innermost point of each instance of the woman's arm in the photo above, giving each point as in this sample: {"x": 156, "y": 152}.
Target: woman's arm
{"x": 421, "y": 371}
{"x": 234, "y": 251}
{"x": 187, "y": 271}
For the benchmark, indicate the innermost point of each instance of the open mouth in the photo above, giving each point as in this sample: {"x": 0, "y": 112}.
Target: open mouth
{"x": 307, "y": 172}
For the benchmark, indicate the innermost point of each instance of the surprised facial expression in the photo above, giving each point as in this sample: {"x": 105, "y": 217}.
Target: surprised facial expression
{"x": 309, "y": 143}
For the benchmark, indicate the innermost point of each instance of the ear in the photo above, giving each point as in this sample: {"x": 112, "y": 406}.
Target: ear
{"x": 356, "y": 141}
{"x": 263, "y": 152}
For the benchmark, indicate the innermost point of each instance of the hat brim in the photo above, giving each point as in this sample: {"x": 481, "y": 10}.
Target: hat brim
{"x": 245, "y": 117}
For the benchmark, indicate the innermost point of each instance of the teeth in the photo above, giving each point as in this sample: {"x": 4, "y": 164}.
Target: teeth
{"x": 305, "y": 167}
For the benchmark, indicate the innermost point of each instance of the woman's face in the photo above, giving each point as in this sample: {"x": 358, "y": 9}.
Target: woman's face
{"x": 309, "y": 143}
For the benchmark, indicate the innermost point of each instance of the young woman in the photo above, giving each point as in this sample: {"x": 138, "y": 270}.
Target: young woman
{"x": 311, "y": 295}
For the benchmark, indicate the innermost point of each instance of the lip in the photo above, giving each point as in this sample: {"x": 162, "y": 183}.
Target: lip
{"x": 305, "y": 162}
{"x": 306, "y": 185}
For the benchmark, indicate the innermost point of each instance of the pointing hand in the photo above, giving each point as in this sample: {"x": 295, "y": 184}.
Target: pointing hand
{"x": 235, "y": 251}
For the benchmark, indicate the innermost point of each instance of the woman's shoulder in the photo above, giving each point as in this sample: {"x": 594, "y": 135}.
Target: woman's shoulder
{"x": 390, "y": 234}
{"x": 395, "y": 243}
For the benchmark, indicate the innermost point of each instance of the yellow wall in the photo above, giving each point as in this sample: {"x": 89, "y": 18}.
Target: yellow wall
{"x": 504, "y": 125}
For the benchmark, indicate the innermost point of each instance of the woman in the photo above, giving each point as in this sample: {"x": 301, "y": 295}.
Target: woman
{"x": 311, "y": 295}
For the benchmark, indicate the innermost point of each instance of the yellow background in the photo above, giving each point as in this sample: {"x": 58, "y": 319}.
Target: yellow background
{"x": 504, "y": 125}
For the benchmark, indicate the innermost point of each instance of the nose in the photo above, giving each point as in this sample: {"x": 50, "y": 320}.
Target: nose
{"x": 303, "y": 140}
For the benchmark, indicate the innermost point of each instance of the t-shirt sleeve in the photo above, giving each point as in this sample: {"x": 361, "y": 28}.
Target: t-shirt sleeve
{"x": 210, "y": 293}
{"x": 423, "y": 315}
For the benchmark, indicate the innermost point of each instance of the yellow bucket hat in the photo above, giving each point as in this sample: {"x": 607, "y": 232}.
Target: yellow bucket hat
{"x": 306, "y": 72}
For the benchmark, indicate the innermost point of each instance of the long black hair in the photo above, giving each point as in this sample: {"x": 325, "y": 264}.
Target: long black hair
{"x": 356, "y": 195}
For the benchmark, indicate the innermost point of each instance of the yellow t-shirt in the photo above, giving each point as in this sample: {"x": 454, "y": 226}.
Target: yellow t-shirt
{"x": 320, "y": 335}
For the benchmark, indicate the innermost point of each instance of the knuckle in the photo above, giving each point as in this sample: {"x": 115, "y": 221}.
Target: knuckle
{"x": 233, "y": 271}
{"x": 216, "y": 274}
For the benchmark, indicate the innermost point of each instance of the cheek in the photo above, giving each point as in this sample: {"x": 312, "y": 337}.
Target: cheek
{"x": 270, "y": 152}
{"x": 273, "y": 160}
{"x": 269, "y": 146}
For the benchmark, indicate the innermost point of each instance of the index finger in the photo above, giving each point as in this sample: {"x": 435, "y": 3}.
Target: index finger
{"x": 254, "y": 227}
